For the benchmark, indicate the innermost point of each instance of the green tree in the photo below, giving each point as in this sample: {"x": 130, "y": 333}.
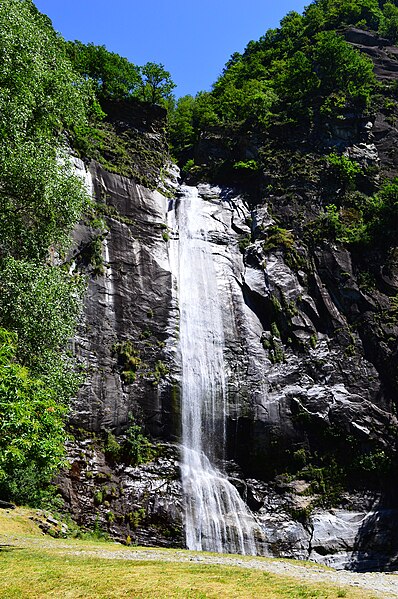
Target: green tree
{"x": 389, "y": 22}
{"x": 292, "y": 74}
{"x": 32, "y": 430}
{"x": 382, "y": 214}
{"x": 348, "y": 12}
{"x": 291, "y": 32}
{"x": 181, "y": 130}
{"x": 296, "y": 83}
{"x": 344, "y": 168}
{"x": 340, "y": 67}
{"x": 40, "y": 199}
{"x": 157, "y": 85}
{"x": 40, "y": 303}
{"x": 40, "y": 94}
{"x": 137, "y": 447}
{"x": 113, "y": 76}
{"x": 205, "y": 112}
{"x": 41, "y": 98}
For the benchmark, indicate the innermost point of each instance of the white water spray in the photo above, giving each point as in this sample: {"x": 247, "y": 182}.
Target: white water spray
{"x": 216, "y": 518}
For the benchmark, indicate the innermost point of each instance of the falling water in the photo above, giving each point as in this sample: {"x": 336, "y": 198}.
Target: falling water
{"x": 216, "y": 517}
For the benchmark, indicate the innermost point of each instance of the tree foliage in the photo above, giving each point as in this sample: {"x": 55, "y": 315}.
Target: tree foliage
{"x": 40, "y": 200}
{"x": 41, "y": 97}
{"x": 40, "y": 93}
{"x": 40, "y": 303}
{"x": 116, "y": 78}
{"x": 112, "y": 76}
{"x": 156, "y": 85}
{"x": 360, "y": 219}
{"x": 336, "y": 13}
{"x": 32, "y": 430}
{"x": 292, "y": 74}
{"x": 389, "y": 22}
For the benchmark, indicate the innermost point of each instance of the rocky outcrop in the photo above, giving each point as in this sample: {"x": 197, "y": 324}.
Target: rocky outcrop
{"x": 382, "y": 52}
{"x": 385, "y": 58}
{"x": 310, "y": 333}
{"x": 132, "y": 504}
{"x": 295, "y": 370}
{"x": 128, "y": 300}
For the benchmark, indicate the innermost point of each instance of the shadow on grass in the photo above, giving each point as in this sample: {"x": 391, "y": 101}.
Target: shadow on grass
{"x": 8, "y": 548}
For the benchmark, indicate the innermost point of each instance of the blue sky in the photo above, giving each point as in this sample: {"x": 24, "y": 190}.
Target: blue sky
{"x": 193, "y": 39}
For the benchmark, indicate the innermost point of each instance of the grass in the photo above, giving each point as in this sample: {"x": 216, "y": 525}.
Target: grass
{"x": 18, "y": 522}
{"x": 34, "y": 566}
{"x": 36, "y": 574}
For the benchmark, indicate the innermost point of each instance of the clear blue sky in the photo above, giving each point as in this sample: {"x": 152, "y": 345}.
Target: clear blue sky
{"x": 192, "y": 38}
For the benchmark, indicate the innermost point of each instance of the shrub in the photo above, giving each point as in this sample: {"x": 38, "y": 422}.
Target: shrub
{"x": 278, "y": 237}
{"x": 345, "y": 168}
{"x": 137, "y": 447}
{"x": 32, "y": 432}
{"x": 248, "y": 165}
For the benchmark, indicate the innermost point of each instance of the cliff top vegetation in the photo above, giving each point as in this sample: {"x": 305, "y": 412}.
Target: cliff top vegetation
{"x": 292, "y": 74}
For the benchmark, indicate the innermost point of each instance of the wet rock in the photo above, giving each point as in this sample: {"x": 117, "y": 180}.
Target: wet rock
{"x": 295, "y": 366}
{"x": 140, "y": 503}
{"x": 334, "y": 536}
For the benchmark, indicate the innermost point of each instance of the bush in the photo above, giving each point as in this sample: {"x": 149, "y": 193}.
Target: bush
{"x": 137, "y": 448}
{"x": 389, "y": 22}
{"x": 248, "y": 165}
{"x": 344, "y": 168}
{"x": 366, "y": 220}
{"x": 278, "y": 237}
{"x": 32, "y": 433}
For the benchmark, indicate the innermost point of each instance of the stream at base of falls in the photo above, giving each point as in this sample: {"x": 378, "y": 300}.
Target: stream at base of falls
{"x": 216, "y": 517}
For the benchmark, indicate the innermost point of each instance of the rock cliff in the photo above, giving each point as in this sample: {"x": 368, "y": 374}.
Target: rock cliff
{"x": 310, "y": 334}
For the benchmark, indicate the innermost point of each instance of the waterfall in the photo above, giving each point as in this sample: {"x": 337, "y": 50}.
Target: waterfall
{"x": 216, "y": 518}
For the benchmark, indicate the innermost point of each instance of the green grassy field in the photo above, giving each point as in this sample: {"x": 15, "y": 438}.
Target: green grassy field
{"x": 34, "y": 566}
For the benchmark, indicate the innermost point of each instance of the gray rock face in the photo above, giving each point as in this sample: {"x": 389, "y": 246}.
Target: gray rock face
{"x": 129, "y": 300}
{"x": 295, "y": 369}
{"x": 140, "y": 504}
{"x": 129, "y": 305}
{"x": 380, "y": 50}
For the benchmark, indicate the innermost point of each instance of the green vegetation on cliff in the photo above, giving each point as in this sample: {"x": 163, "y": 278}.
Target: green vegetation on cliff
{"x": 301, "y": 81}
{"x": 292, "y": 75}
{"x": 121, "y": 90}
{"x": 295, "y": 75}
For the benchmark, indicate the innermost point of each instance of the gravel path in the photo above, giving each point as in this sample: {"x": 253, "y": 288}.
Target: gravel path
{"x": 383, "y": 585}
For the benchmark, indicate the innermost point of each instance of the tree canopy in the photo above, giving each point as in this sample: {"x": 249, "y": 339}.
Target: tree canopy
{"x": 112, "y": 76}
{"x": 41, "y": 199}
{"x": 115, "y": 78}
{"x": 291, "y": 74}
{"x": 156, "y": 85}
